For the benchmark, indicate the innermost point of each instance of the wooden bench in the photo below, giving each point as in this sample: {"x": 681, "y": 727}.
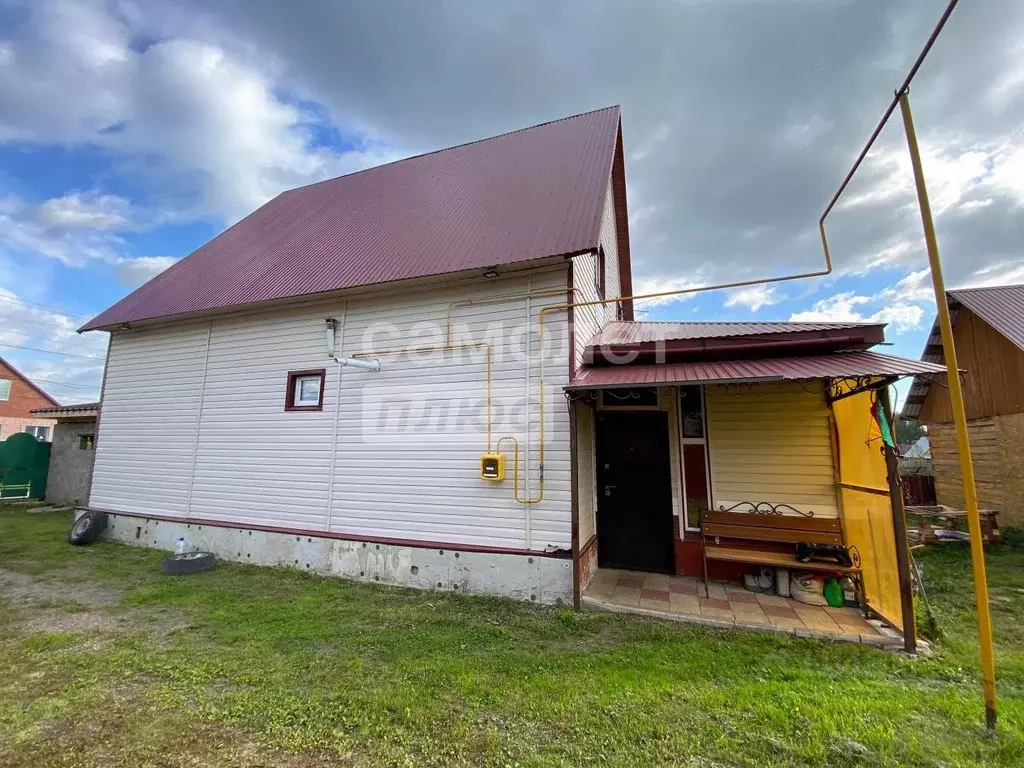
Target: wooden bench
{"x": 771, "y": 529}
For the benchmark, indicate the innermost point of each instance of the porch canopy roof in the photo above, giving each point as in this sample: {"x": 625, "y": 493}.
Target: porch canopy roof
{"x": 838, "y": 365}
{"x": 656, "y": 341}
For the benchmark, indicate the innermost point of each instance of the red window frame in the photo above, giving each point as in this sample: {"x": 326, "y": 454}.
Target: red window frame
{"x": 289, "y": 392}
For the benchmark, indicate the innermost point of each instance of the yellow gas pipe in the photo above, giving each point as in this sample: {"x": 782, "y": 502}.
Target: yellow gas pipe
{"x": 902, "y": 99}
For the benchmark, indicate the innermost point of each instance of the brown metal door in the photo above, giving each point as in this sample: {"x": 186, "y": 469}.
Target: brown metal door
{"x": 634, "y": 491}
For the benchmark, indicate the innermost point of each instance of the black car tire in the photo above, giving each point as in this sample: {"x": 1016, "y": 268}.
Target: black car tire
{"x": 188, "y": 562}
{"x": 88, "y": 527}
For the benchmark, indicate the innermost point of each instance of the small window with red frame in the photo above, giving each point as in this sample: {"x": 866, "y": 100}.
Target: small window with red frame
{"x": 305, "y": 391}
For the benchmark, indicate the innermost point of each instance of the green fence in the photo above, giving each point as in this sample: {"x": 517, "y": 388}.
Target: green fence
{"x": 24, "y": 464}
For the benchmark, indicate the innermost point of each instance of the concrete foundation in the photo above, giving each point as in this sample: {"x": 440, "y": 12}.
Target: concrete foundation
{"x": 538, "y": 579}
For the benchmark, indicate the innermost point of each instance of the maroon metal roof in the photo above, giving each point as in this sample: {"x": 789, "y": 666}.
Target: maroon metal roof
{"x": 1001, "y": 306}
{"x": 837, "y": 365}
{"x": 524, "y": 195}
{"x": 661, "y": 342}
{"x": 15, "y": 372}
{"x": 75, "y": 409}
{"x": 643, "y": 332}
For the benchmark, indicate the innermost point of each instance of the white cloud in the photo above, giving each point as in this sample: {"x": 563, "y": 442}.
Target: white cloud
{"x": 32, "y": 229}
{"x": 82, "y": 210}
{"x": 900, "y": 317}
{"x": 71, "y": 377}
{"x": 898, "y": 310}
{"x": 917, "y": 286}
{"x": 79, "y": 229}
{"x": 135, "y": 272}
{"x": 958, "y": 173}
{"x": 648, "y": 285}
{"x": 1001, "y": 273}
{"x": 194, "y": 121}
{"x": 755, "y": 297}
{"x": 840, "y": 308}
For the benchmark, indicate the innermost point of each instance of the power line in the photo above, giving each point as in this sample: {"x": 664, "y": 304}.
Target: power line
{"x": 66, "y": 384}
{"x": 51, "y": 351}
{"x": 36, "y": 322}
{"x": 50, "y": 307}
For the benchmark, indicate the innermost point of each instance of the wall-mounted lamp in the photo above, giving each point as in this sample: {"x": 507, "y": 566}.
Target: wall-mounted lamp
{"x": 491, "y": 273}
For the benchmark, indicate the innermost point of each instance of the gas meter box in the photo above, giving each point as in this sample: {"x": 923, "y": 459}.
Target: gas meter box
{"x": 492, "y": 467}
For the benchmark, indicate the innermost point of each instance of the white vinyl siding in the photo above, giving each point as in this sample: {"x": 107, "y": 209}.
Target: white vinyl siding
{"x": 257, "y": 463}
{"x": 771, "y": 443}
{"x": 588, "y": 321}
{"x": 347, "y": 468}
{"x": 610, "y": 245}
{"x": 150, "y": 412}
{"x": 424, "y": 483}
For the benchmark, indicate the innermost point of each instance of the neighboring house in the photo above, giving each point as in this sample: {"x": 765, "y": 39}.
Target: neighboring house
{"x": 919, "y": 449}
{"x": 988, "y": 330}
{"x": 916, "y": 459}
{"x": 18, "y": 398}
{"x": 71, "y": 451}
{"x": 918, "y": 475}
{"x": 499, "y": 448}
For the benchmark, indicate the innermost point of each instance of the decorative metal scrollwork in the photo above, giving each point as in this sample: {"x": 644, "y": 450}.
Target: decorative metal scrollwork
{"x": 764, "y": 508}
{"x": 854, "y": 555}
{"x": 585, "y": 396}
{"x": 850, "y": 385}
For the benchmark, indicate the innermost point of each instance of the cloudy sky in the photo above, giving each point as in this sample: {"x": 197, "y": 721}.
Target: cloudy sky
{"x": 132, "y": 132}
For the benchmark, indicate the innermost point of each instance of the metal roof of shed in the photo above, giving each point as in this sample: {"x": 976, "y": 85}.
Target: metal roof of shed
{"x": 1002, "y": 307}
{"x": 526, "y": 195}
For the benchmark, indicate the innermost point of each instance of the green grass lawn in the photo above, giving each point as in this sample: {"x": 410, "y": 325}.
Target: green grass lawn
{"x": 105, "y": 662}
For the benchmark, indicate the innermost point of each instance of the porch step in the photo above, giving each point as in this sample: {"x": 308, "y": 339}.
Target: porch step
{"x": 888, "y": 641}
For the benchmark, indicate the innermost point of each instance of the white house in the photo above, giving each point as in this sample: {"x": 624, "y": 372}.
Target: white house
{"x": 229, "y": 418}
{"x": 428, "y": 374}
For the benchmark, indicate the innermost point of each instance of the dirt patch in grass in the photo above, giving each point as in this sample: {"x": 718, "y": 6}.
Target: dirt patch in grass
{"x": 125, "y": 728}
{"x": 70, "y": 605}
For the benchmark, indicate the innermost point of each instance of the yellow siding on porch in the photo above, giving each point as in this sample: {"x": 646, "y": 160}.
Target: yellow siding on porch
{"x": 771, "y": 442}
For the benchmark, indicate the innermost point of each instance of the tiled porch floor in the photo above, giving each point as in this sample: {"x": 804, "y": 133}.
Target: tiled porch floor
{"x": 729, "y": 605}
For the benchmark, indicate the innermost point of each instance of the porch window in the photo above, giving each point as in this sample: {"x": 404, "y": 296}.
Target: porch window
{"x": 694, "y": 455}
